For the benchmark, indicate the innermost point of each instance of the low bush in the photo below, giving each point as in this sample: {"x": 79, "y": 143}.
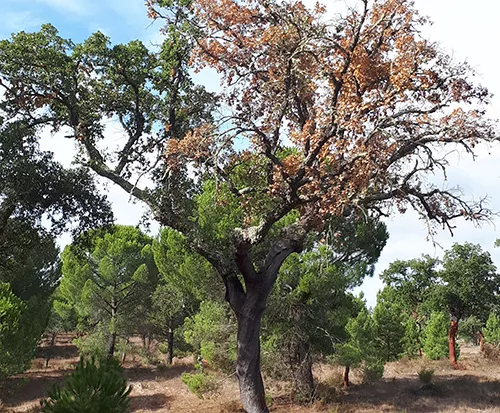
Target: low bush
{"x": 92, "y": 387}
{"x": 372, "y": 372}
{"x": 426, "y": 375}
{"x": 199, "y": 383}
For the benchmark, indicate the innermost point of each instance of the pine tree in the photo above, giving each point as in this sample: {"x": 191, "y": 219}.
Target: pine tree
{"x": 492, "y": 330}
{"x": 436, "y": 336}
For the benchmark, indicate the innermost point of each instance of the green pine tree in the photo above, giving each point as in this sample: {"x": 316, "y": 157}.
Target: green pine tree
{"x": 436, "y": 336}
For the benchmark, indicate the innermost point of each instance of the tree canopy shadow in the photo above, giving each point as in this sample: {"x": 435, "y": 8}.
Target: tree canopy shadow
{"x": 30, "y": 386}
{"x": 149, "y": 402}
{"x": 412, "y": 396}
{"x": 151, "y": 373}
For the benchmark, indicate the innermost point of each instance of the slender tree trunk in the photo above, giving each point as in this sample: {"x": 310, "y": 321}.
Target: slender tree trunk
{"x": 300, "y": 356}
{"x": 481, "y": 341}
{"x": 347, "y": 383}
{"x": 112, "y": 335}
{"x": 451, "y": 342}
{"x": 170, "y": 345}
{"x": 111, "y": 345}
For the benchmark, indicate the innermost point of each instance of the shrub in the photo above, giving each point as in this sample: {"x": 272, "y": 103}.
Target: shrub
{"x": 426, "y": 375}
{"x": 436, "y": 336}
{"x": 199, "y": 383}
{"x": 92, "y": 387}
{"x": 492, "y": 330}
{"x": 92, "y": 345}
{"x": 212, "y": 334}
{"x": 373, "y": 372}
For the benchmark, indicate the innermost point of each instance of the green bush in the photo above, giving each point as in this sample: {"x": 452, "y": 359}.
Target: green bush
{"x": 492, "y": 330}
{"x": 436, "y": 336}
{"x": 426, "y": 375}
{"x": 199, "y": 383}
{"x": 92, "y": 345}
{"x": 212, "y": 334}
{"x": 91, "y": 388}
{"x": 373, "y": 372}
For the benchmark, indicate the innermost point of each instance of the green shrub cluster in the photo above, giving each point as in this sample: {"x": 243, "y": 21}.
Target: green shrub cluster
{"x": 199, "y": 383}
{"x": 426, "y": 375}
{"x": 93, "y": 387}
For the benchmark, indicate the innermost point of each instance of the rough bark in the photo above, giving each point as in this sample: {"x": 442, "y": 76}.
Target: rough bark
{"x": 347, "y": 383}
{"x": 451, "y": 342}
{"x": 170, "y": 346}
{"x": 248, "y": 364}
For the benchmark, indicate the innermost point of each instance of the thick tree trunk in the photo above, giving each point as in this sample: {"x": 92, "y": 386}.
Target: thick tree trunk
{"x": 347, "y": 383}
{"x": 249, "y": 304}
{"x": 248, "y": 364}
{"x": 170, "y": 345}
{"x": 451, "y": 342}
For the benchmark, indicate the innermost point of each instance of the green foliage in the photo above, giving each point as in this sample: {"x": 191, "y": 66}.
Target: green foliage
{"x": 311, "y": 303}
{"x": 92, "y": 387}
{"x": 412, "y": 342}
{"x": 436, "y": 336}
{"x": 470, "y": 329}
{"x": 471, "y": 281}
{"x": 412, "y": 282}
{"x": 362, "y": 347}
{"x": 373, "y": 372}
{"x": 33, "y": 185}
{"x": 199, "y": 383}
{"x": 492, "y": 330}
{"x": 389, "y": 320}
{"x": 92, "y": 344}
{"x": 109, "y": 282}
{"x": 425, "y": 375}
{"x": 212, "y": 332}
{"x": 14, "y": 356}
{"x": 465, "y": 286}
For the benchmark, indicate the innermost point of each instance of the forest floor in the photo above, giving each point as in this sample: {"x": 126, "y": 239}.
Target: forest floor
{"x": 475, "y": 387}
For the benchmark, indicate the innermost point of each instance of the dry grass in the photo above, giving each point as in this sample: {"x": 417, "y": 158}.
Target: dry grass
{"x": 473, "y": 388}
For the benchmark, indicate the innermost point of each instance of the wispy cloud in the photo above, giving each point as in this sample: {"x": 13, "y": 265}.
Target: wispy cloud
{"x": 15, "y": 21}
{"x": 76, "y": 8}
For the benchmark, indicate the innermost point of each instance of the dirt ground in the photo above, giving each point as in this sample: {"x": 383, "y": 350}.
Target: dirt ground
{"x": 475, "y": 387}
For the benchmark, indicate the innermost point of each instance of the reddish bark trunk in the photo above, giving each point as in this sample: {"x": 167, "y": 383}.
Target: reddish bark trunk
{"x": 481, "y": 341}
{"x": 451, "y": 342}
{"x": 346, "y": 377}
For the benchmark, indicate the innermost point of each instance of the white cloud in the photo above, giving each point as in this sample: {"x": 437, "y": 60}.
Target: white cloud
{"x": 77, "y": 8}
{"x": 15, "y": 21}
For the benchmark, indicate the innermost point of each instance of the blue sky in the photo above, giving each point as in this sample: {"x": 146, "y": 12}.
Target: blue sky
{"x": 469, "y": 31}
{"x": 122, "y": 20}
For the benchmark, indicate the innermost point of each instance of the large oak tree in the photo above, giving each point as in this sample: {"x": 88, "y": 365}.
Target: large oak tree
{"x": 317, "y": 118}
